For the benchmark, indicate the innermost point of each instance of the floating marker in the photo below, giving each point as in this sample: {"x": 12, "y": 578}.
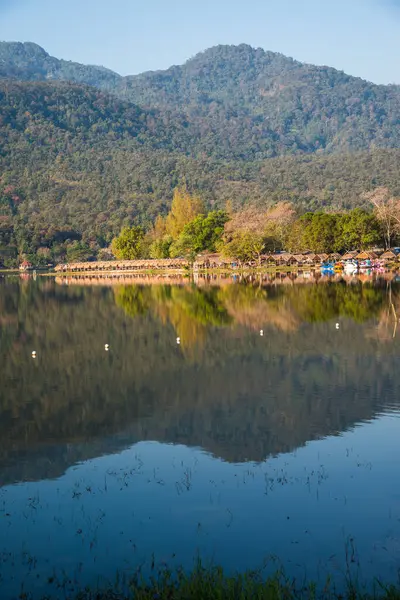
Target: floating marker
{"x": 106, "y": 347}
{"x": 34, "y": 354}
{"x": 261, "y": 332}
{"x": 337, "y": 326}
{"x": 178, "y": 340}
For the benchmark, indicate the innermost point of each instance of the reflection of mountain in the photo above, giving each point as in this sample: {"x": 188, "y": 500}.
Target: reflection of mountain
{"x": 238, "y": 395}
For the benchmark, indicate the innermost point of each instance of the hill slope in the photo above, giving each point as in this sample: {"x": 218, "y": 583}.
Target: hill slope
{"x": 235, "y": 123}
{"x": 242, "y": 102}
{"x": 76, "y": 163}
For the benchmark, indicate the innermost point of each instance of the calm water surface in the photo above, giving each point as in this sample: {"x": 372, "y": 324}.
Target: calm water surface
{"x": 271, "y": 430}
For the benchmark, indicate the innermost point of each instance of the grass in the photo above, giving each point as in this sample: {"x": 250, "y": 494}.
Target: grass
{"x": 213, "y": 584}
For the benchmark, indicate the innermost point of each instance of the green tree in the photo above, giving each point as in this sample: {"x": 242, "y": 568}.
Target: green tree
{"x": 129, "y": 244}
{"x": 160, "y": 248}
{"x": 360, "y": 230}
{"x": 202, "y": 233}
{"x": 79, "y": 252}
{"x": 244, "y": 246}
{"x": 320, "y": 232}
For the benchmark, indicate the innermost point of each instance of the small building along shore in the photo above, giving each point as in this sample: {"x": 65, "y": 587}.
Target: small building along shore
{"x": 204, "y": 262}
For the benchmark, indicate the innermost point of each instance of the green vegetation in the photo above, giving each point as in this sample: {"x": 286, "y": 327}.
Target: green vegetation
{"x": 245, "y": 103}
{"x": 212, "y": 584}
{"x": 248, "y": 234}
{"x": 129, "y": 244}
{"x": 234, "y": 124}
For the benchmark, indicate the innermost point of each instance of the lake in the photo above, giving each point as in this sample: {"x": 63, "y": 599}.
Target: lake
{"x": 249, "y": 424}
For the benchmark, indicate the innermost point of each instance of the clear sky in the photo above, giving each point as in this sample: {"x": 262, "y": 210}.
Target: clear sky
{"x": 361, "y": 37}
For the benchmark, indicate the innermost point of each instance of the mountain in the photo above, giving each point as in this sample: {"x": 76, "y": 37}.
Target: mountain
{"x": 84, "y": 151}
{"x": 30, "y": 62}
{"x": 241, "y": 102}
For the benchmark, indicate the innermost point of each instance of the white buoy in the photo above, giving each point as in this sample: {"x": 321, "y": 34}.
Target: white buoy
{"x": 337, "y": 326}
{"x": 178, "y": 340}
{"x": 34, "y": 354}
{"x": 106, "y": 347}
{"x": 261, "y": 332}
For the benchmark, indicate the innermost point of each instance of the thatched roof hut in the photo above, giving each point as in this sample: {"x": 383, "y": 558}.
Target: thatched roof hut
{"x": 212, "y": 261}
{"x": 350, "y": 255}
{"x": 366, "y": 255}
{"x": 124, "y": 265}
{"x": 285, "y": 258}
{"x": 300, "y": 258}
{"x": 389, "y": 255}
{"x": 269, "y": 259}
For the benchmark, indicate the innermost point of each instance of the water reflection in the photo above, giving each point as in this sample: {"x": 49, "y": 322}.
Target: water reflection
{"x": 206, "y": 442}
{"x": 224, "y": 388}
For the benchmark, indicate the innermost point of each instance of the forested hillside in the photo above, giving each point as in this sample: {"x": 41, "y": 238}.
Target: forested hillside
{"x": 246, "y": 103}
{"x": 234, "y": 123}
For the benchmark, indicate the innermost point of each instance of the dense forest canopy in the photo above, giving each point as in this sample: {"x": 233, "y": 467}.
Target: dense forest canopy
{"x": 85, "y": 152}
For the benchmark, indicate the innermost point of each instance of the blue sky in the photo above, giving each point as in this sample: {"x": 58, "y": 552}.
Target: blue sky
{"x": 360, "y": 37}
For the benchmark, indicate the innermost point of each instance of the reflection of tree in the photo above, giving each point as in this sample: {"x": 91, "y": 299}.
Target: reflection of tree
{"x": 324, "y": 302}
{"x": 385, "y": 329}
{"x": 255, "y": 307}
{"x": 135, "y": 300}
{"x": 190, "y": 310}
{"x": 243, "y": 398}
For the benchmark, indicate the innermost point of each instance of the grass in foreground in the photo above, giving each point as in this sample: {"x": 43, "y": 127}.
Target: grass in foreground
{"x": 213, "y": 584}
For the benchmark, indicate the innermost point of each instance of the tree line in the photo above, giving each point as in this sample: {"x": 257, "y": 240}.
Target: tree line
{"x": 247, "y": 234}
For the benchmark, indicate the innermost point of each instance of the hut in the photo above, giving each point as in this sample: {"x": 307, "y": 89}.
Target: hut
{"x": 286, "y": 259}
{"x": 335, "y": 256}
{"x": 309, "y": 259}
{"x": 300, "y": 258}
{"x": 389, "y": 256}
{"x": 268, "y": 259}
{"x": 350, "y": 255}
{"x": 212, "y": 261}
{"x": 366, "y": 255}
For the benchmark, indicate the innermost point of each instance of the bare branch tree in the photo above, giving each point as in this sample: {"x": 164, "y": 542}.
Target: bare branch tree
{"x": 387, "y": 211}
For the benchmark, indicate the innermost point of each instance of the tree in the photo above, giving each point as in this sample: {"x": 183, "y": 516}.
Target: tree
{"x": 79, "y": 252}
{"x": 160, "y": 248}
{"x": 320, "y": 232}
{"x": 387, "y": 211}
{"x": 184, "y": 208}
{"x": 129, "y": 244}
{"x": 244, "y": 246}
{"x": 202, "y": 233}
{"x": 359, "y": 229}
